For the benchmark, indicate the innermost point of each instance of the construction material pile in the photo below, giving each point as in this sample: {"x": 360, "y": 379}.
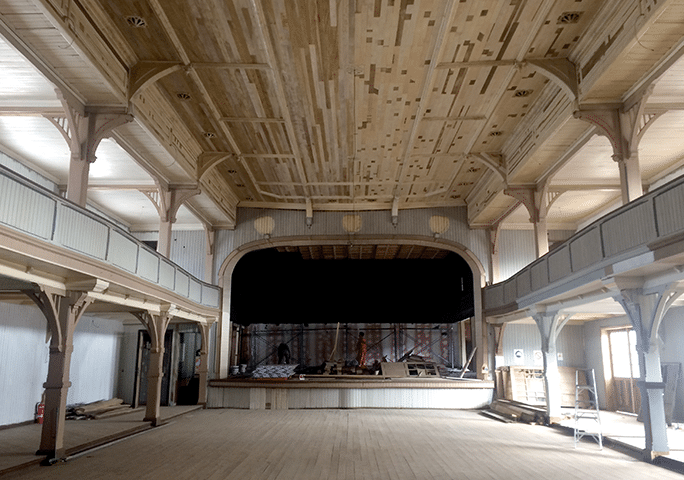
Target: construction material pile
{"x": 95, "y": 410}
{"x": 274, "y": 371}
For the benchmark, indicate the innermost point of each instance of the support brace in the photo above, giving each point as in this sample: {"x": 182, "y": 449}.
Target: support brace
{"x": 535, "y": 200}
{"x": 168, "y": 200}
{"x": 624, "y": 127}
{"x": 83, "y": 133}
{"x": 156, "y": 325}
{"x": 550, "y": 324}
{"x": 646, "y": 311}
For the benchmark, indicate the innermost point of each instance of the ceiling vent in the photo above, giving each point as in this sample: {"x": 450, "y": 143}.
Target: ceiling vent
{"x": 136, "y": 22}
{"x": 569, "y": 17}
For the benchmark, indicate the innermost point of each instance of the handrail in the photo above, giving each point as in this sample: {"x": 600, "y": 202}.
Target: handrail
{"x": 629, "y": 231}
{"x": 36, "y": 211}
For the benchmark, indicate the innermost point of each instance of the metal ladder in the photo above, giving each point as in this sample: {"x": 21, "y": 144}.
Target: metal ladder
{"x": 591, "y": 411}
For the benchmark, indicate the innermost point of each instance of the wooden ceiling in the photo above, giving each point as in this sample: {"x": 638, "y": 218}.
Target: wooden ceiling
{"x": 366, "y": 252}
{"x": 352, "y": 104}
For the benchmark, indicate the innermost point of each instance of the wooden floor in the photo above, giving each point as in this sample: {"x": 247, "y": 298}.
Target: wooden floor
{"x": 348, "y": 444}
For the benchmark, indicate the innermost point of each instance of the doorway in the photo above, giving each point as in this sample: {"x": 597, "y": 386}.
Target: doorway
{"x": 622, "y": 389}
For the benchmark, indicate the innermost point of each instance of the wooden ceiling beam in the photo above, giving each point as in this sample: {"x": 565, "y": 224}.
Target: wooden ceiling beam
{"x": 251, "y": 120}
{"x": 191, "y": 70}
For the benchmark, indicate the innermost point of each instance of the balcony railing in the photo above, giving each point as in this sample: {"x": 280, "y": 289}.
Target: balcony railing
{"x": 627, "y": 232}
{"x": 32, "y": 209}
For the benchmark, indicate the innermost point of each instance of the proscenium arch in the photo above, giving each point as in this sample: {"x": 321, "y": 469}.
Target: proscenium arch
{"x": 223, "y": 332}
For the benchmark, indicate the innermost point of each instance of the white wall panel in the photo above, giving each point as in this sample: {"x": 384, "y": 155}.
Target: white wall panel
{"x": 95, "y": 361}
{"x": 516, "y": 250}
{"x": 24, "y": 357}
{"x": 23, "y": 361}
{"x": 526, "y": 337}
{"x": 416, "y": 223}
{"x": 188, "y": 249}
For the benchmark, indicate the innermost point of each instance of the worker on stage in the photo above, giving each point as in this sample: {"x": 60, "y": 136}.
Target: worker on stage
{"x": 361, "y": 350}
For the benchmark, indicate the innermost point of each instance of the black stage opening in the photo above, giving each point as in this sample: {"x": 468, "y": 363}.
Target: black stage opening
{"x": 276, "y": 287}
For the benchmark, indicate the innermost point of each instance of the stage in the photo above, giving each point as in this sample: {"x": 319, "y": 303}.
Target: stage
{"x": 347, "y": 391}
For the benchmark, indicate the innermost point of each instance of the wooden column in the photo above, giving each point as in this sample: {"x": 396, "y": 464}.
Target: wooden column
{"x": 646, "y": 309}
{"x": 624, "y": 127}
{"x": 156, "y": 325}
{"x": 83, "y": 131}
{"x": 535, "y": 200}
{"x": 203, "y": 369}
{"x": 209, "y": 256}
{"x": 62, "y": 311}
{"x": 549, "y": 325}
{"x": 167, "y": 200}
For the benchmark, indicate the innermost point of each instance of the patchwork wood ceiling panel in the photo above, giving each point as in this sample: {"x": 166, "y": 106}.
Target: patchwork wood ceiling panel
{"x": 358, "y": 104}
{"x": 347, "y": 102}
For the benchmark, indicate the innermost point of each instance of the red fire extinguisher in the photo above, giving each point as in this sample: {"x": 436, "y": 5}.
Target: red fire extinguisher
{"x": 40, "y": 412}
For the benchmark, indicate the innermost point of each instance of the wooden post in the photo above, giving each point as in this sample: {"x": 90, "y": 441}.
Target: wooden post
{"x": 62, "y": 312}
{"x": 550, "y": 325}
{"x": 203, "y": 369}
{"x": 156, "y": 325}
{"x": 646, "y": 311}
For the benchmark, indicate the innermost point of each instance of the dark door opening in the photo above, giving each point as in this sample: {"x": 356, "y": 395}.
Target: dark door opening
{"x": 143, "y": 365}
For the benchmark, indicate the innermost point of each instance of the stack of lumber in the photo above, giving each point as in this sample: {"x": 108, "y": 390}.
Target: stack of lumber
{"x": 511, "y": 411}
{"x": 99, "y": 409}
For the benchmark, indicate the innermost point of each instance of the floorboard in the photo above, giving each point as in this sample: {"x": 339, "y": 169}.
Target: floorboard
{"x": 347, "y": 444}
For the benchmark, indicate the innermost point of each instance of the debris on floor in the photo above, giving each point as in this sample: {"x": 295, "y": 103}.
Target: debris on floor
{"x": 95, "y": 410}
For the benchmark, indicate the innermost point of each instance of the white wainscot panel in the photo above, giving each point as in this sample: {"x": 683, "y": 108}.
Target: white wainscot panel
{"x": 148, "y": 265}
{"x": 210, "y": 296}
{"x": 629, "y": 228}
{"x": 669, "y": 210}
{"x": 539, "y": 274}
{"x": 559, "y": 263}
{"x": 195, "y": 291}
{"x": 586, "y": 250}
{"x": 123, "y": 252}
{"x": 15, "y": 201}
{"x": 494, "y": 296}
{"x": 182, "y": 283}
{"x": 81, "y": 232}
{"x": 167, "y": 275}
{"x": 523, "y": 282}
{"x": 510, "y": 291}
